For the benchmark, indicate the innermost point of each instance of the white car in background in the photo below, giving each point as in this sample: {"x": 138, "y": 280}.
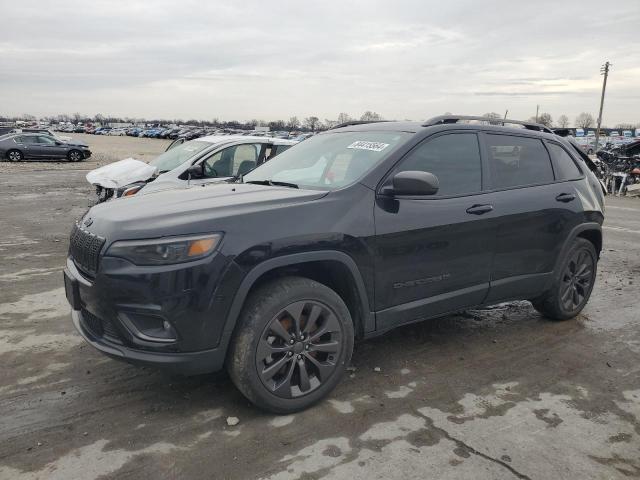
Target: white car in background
{"x": 215, "y": 158}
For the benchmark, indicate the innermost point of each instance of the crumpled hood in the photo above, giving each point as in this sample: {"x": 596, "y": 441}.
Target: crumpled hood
{"x": 121, "y": 173}
{"x": 197, "y": 209}
{"x": 165, "y": 182}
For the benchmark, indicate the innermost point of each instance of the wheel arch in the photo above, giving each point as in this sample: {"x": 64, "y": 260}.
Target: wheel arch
{"x": 590, "y": 231}
{"x": 594, "y": 236}
{"x": 335, "y": 269}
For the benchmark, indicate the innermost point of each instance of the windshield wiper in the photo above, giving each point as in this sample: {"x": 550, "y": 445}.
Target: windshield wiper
{"x": 273, "y": 183}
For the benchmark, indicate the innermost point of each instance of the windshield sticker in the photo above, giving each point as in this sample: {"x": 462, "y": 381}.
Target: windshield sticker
{"x": 373, "y": 146}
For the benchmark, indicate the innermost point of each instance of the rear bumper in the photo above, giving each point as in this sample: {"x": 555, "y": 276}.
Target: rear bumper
{"x": 191, "y": 363}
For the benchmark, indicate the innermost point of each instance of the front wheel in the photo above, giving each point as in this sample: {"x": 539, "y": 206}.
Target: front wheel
{"x": 15, "y": 156}
{"x": 293, "y": 343}
{"x": 573, "y": 283}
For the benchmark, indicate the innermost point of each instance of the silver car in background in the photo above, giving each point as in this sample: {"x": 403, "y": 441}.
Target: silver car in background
{"x": 214, "y": 158}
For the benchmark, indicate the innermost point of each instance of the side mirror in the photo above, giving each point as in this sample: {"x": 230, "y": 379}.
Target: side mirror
{"x": 196, "y": 171}
{"x": 414, "y": 183}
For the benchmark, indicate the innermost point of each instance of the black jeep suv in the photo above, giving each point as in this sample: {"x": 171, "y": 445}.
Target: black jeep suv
{"x": 353, "y": 232}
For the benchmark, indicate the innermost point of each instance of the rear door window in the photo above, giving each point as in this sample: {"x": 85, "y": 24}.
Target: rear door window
{"x": 43, "y": 140}
{"x": 245, "y": 158}
{"x": 518, "y": 161}
{"x": 566, "y": 168}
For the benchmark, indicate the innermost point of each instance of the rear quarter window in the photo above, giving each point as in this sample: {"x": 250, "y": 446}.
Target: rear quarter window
{"x": 566, "y": 168}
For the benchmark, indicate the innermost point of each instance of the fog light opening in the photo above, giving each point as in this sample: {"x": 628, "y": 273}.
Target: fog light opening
{"x": 150, "y": 328}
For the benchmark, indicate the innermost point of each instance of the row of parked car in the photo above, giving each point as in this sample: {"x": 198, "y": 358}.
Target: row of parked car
{"x": 173, "y": 133}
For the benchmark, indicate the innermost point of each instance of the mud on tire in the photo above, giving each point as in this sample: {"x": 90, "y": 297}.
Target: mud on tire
{"x": 293, "y": 342}
{"x": 572, "y": 284}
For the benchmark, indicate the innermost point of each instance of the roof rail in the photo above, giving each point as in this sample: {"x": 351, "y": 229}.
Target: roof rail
{"x": 442, "y": 119}
{"x": 356, "y": 122}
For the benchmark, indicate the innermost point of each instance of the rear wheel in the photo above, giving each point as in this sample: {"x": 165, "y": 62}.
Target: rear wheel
{"x": 75, "y": 156}
{"x": 573, "y": 285}
{"x": 15, "y": 156}
{"x": 294, "y": 341}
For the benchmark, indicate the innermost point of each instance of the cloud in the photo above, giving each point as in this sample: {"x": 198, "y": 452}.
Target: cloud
{"x": 241, "y": 60}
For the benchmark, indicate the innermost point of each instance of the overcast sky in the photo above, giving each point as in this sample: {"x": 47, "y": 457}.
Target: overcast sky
{"x": 271, "y": 60}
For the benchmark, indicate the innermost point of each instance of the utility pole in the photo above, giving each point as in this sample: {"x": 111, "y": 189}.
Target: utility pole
{"x": 537, "y": 108}
{"x": 506, "y": 112}
{"x": 604, "y": 70}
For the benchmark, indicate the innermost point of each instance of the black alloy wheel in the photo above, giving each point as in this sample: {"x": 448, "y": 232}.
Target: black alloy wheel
{"x": 292, "y": 344}
{"x": 577, "y": 280}
{"x": 299, "y": 348}
{"x": 573, "y": 283}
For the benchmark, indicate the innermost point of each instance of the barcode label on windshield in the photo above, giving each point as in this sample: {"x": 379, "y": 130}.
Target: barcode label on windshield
{"x": 373, "y": 146}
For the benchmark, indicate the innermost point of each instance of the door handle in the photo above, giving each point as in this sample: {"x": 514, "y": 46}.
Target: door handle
{"x": 565, "y": 197}
{"x": 479, "y": 209}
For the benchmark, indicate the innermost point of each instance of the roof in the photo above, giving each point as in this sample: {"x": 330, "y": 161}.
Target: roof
{"x": 412, "y": 127}
{"x": 214, "y": 139}
{"x": 448, "y": 122}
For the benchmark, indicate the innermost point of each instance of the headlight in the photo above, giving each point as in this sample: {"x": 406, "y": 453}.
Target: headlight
{"x": 132, "y": 190}
{"x": 165, "y": 251}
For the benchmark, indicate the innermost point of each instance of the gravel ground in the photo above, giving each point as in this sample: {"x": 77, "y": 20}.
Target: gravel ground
{"x": 105, "y": 149}
{"x": 499, "y": 393}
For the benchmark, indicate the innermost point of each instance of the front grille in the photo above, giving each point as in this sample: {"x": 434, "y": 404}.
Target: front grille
{"x": 93, "y": 323}
{"x": 100, "y": 327}
{"x": 84, "y": 248}
{"x": 109, "y": 329}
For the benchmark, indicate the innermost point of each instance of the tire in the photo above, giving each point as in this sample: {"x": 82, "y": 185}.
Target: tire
{"x": 572, "y": 284}
{"x": 75, "y": 156}
{"x": 15, "y": 156}
{"x": 268, "y": 369}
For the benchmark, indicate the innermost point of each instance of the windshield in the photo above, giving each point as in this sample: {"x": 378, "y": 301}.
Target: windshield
{"x": 178, "y": 155}
{"x": 328, "y": 161}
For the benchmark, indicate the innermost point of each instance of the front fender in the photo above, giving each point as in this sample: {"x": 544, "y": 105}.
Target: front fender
{"x": 289, "y": 260}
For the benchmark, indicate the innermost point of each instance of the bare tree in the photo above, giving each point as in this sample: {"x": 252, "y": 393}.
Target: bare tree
{"x": 493, "y": 116}
{"x": 330, "y": 123}
{"x": 545, "y": 119}
{"x": 311, "y": 123}
{"x": 293, "y": 123}
{"x": 563, "y": 121}
{"x": 344, "y": 118}
{"x": 624, "y": 126}
{"x": 370, "y": 116}
{"x": 584, "y": 120}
